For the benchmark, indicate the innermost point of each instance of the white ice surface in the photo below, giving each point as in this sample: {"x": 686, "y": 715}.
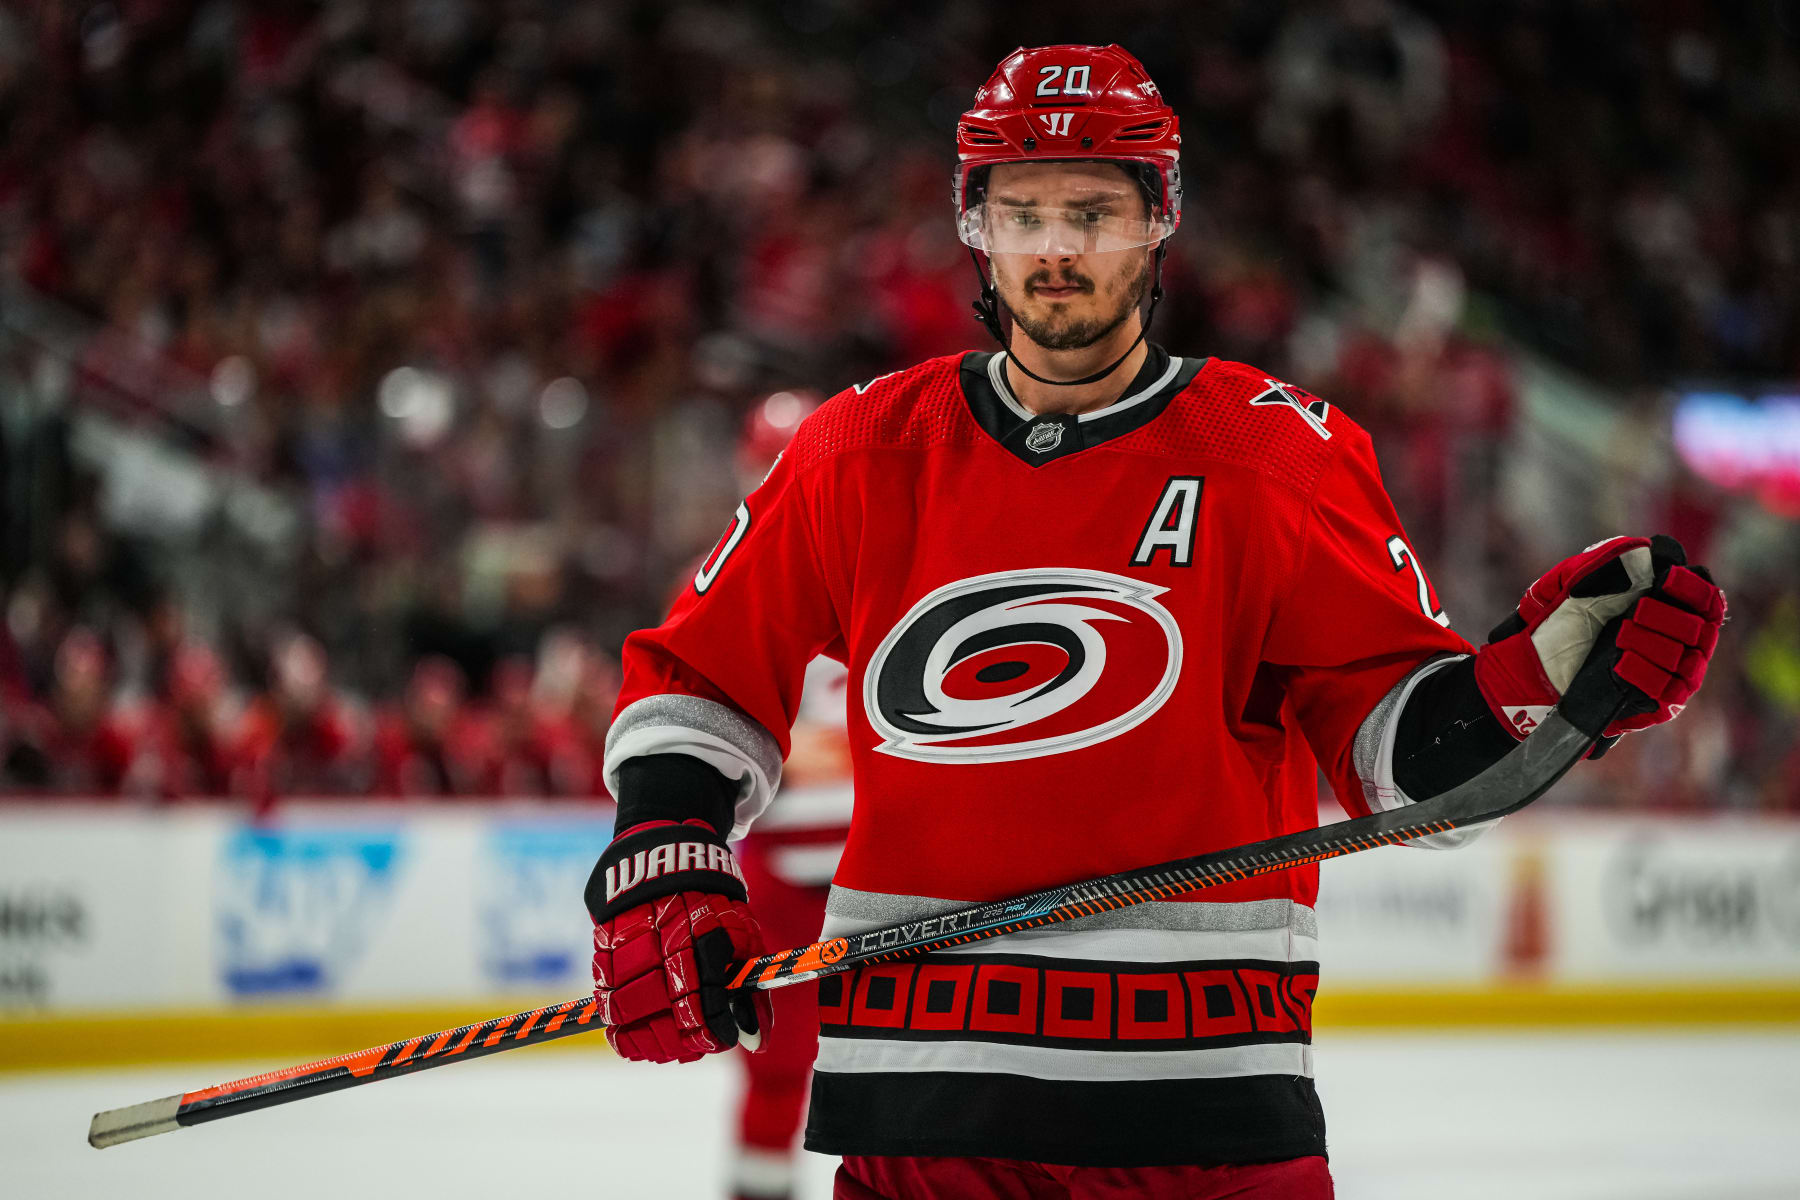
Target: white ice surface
{"x": 1539, "y": 1117}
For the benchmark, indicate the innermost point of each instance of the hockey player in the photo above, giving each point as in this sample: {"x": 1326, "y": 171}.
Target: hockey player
{"x": 1102, "y": 606}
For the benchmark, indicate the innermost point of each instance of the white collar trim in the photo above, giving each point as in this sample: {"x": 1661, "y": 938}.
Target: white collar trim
{"x": 997, "y": 376}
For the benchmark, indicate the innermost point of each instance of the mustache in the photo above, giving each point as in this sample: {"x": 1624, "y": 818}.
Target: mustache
{"x": 1044, "y": 279}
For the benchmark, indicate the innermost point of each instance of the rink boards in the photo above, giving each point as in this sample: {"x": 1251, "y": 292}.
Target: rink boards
{"x": 130, "y": 933}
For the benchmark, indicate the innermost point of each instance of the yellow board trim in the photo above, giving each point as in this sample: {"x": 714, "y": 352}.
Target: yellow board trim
{"x": 290, "y": 1035}
{"x": 1567, "y": 1006}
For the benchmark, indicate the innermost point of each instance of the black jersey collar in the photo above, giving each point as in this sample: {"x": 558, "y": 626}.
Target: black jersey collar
{"x": 1036, "y": 440}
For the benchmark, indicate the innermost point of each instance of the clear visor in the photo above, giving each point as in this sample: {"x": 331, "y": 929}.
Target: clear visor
{"x": 1001, "y": 228}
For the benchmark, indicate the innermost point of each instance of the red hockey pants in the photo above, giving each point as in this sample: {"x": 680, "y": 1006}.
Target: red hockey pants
{"x": 1006, "y": 1179}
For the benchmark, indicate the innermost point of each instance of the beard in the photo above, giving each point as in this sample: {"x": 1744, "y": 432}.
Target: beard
{"x": 1060, "y": 332}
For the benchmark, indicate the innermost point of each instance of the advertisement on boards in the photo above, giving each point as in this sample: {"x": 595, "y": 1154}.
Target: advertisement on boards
{"x": 79, "y": 906}
{"x": 532, "y": 930}
{"x": 296, "y": 908}
{"x": 128, "y": 911}
{"x": 1663, "y": 899}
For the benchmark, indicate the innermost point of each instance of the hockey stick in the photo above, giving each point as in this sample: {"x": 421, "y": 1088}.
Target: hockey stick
{"x": 1526, "y": 773}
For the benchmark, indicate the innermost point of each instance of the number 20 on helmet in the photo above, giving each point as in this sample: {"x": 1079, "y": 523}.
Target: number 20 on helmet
{"x": 1068, "y": 103}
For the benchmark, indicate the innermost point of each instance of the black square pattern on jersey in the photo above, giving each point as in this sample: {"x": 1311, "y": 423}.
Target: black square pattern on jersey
{"x": 1148, "y": 1006}
{"x": 1003, "y": 998}
{"x": 1218, "y": 1001}
{"x": 881, "y": 993}
{"x": 1077, "y": 1004}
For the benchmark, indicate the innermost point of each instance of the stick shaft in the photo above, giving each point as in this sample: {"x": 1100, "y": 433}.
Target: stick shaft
{"x": 403, "y": 1057}
{"x": 1526, "y": 773}
{"x": 1515, "y": 781}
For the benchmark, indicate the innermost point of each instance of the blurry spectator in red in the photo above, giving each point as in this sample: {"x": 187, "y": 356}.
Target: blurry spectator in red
{"x": 429, "y": 745}
{"x": 300, "y": 737}
{"x": 591, "y": 711}
{"x": 74, "y": 741}
{"x": 535, "y": 750}
{"x": 196, "y": 744}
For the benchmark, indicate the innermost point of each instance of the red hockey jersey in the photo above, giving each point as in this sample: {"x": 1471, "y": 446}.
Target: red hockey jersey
{"x": 1076, "y": 644}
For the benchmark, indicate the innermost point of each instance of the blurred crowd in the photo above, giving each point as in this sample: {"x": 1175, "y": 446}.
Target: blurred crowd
{"x": 488, "y": 288}
{"x": 539, "y": 730}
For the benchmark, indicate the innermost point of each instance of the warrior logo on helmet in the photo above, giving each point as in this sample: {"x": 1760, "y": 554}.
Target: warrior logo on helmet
{"x": 1021, "y": 664}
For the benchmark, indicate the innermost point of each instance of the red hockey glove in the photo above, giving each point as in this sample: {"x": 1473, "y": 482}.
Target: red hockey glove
{"x": 670, "y": 917}
{"x": 1634, "y": 598}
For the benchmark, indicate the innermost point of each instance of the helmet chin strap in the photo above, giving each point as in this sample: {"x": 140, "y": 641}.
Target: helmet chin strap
{"x": 998, "y": 318}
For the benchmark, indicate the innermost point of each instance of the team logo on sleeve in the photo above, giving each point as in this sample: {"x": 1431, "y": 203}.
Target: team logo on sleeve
{"x": 1021, "y": 664}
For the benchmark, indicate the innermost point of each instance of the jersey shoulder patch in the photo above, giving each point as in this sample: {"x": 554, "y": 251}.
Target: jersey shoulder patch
{"x": 1236, "y": 412}
{"x": 918, "y": 407}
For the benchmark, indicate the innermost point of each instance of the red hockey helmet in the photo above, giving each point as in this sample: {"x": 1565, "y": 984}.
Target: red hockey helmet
{"x": 1061, "y": 103}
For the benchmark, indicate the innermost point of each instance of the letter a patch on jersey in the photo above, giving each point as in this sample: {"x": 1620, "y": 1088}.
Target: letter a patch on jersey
{"x": 1171, "y": 524}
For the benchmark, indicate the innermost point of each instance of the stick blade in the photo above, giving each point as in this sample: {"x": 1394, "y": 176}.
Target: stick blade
{"x": 135, "y": 1121}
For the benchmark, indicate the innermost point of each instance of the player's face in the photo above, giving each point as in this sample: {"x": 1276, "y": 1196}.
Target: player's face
{"x": 1063, "y": 295}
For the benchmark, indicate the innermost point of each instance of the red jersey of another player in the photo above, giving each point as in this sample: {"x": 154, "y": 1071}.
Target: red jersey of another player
{"x": 1076, "y": 644}
{"x": 788, "y": 860}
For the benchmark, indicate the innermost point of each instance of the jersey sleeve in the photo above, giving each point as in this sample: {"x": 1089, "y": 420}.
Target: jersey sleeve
{"x": 1357, "y": 623}
{"x": 720, "y": 678}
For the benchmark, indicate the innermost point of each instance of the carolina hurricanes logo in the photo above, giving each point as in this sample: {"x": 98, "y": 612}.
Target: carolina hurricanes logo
{"x": 1020, "y": 664}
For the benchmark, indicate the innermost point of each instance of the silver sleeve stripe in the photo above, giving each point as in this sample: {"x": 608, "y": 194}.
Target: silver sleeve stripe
{"x": 722, "y": 737}
{"x": 1373, "y": 756}
{"x": 1144, "y": 945}
{"x": 1159, "y": 931}
{"x": 1102, "y": 1063}
{"x": 851, "y": 910}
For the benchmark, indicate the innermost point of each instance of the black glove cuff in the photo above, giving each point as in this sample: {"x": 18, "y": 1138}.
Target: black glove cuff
{"x": 648, "y": 864}
{"x": 673, "y": 787}
{"x": 1446, "y": 735}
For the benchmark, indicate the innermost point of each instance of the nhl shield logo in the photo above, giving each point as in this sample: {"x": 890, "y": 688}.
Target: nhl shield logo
{"x": 1044, "y": 438}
